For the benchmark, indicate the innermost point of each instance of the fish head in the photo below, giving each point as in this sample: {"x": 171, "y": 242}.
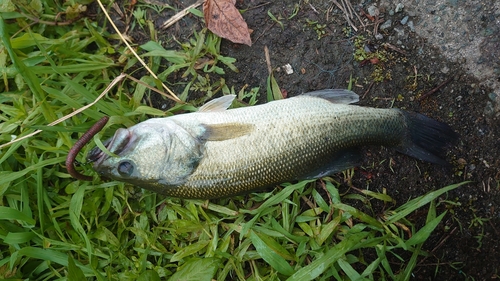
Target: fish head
{"x": 155, "y": 152}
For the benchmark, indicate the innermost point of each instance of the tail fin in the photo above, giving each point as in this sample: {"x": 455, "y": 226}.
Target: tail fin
{"x": 427, "y": 138}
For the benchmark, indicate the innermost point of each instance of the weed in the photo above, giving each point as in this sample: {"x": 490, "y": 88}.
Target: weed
{"x": 319, "y": 28}
{"x": 365, "y": 54}
{"x": 276, "y": 20}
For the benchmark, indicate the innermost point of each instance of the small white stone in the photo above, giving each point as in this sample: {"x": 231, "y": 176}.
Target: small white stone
{"x": 288, "y": 69}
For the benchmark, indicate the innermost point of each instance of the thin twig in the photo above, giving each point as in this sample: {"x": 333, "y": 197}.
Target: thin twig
{"x": 368, "y": 90}
{"x": 424, "y": 96}
{"x": 177, "y": 17}
{"x": 314, "y": 9}
{"x": 346, "y": 14}
{"x": 149, "y": 87}
{"x": 268, "y": 60}
{"x": 258, "y": 6}
{"x": 439, "y": 245}
{"x": 357, "y": 15}
{"x": 264, "y": 32}
{"x": 394, "y": 48}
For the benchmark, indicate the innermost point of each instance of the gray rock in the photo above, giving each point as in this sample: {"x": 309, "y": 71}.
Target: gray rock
{"x": 373, "y": 11}
{"x": 386, "y": 25}
{"x": 492, "y": 96}
{"x": 405, "y": 20}
{"x": 400, "y": 32}
{"x": 411, "y": 26}
{"x": 399, "y": 7}
{"x": 489, "y": 109}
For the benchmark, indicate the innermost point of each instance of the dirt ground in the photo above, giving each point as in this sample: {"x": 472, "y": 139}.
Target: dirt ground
{"x": 420, "y": 56}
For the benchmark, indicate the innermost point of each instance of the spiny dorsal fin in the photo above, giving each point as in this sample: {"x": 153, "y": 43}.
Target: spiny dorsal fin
{"x": 226, "y": 131}
{"x": 218, "y": 104}
{"x": 335, "y": 95}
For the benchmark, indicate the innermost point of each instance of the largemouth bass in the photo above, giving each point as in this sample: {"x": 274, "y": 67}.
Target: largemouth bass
{"x": 216, "y": 152}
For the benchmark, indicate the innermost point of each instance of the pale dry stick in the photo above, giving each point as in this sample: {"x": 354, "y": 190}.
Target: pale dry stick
{"x": 346, "y": 15}
{"x": 149, "y": 87}
{"x": 314, "y": 9}
{"x": 349, "y": 6}
{"x": 268, "y": 60}
{"x": 66, "y": 117}
{"x": 180, "y": 15}
{"x": 346, "y": 9}
{"x": 349, "y": 13}
{"x": 172, "y": 95}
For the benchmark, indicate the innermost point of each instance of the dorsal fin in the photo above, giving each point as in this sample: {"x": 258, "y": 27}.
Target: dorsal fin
{"x": 218, "y": 104}
{"x": 335, "y": 95}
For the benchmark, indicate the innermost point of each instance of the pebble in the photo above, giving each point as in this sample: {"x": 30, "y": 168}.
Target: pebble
{"x": 386, "y": 25}
{"x": 405, "y": 20}
{"x": 492, "y": 96}
{"x": 399, "y": 7}
{"x": 489, "y": 109}
{"x": 411, "y": 26}
{"x": 288, "y": 69}
{"x": 373, "y": 11}
{"x": 400, "y": 31}
{"x": 379, "y": 36}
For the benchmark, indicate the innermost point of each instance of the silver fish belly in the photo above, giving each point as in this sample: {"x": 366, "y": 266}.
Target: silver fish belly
{"x": 219, "y": 153}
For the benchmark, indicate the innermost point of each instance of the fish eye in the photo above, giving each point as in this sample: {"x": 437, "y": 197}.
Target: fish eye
{"x": 125, "y": 168}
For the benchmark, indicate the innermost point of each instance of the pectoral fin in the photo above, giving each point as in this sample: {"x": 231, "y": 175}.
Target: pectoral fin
{"x": 218, "y": 104}
{"x": 335, "y": 95}
{"x": 226, "y": 131}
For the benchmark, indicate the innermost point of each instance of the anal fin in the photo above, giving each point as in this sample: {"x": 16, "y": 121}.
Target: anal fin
{"x": 342, "y": 161}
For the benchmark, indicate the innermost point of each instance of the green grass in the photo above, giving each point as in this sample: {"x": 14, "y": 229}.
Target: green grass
{"x": 53, "y": 227}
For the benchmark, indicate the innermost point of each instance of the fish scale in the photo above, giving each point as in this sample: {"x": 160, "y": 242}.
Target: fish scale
{"x": 283, "y": 150}
{"x": 219, "y": 153}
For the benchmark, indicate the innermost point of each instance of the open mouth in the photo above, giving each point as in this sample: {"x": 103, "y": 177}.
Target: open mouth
{"x": 96, "y": 153}
{"x": 121, "y": 141}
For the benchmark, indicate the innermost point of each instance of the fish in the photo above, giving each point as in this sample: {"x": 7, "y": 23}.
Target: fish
{"x": 218, "y": 152}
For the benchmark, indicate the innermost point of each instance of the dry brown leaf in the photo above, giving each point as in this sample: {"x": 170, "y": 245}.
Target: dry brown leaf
{"x": 225, "y": 20}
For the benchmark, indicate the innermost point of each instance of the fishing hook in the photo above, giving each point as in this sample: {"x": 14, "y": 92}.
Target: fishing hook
{"x": 70, "y": 159}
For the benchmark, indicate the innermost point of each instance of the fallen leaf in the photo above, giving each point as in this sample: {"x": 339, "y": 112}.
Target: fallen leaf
{"x": 225, "y": 20}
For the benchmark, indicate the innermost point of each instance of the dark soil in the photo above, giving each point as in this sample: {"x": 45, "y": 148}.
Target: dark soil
{"x": 465, "y": 245}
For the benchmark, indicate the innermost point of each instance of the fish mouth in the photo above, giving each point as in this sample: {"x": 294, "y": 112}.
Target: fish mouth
{"x": 119, "y": 143}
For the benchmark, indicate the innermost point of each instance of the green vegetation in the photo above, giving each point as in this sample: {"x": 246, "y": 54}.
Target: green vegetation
{"x": 378, "y": 58}
{"x": 319, "y": 28}
{"x": 53, "y": 227}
